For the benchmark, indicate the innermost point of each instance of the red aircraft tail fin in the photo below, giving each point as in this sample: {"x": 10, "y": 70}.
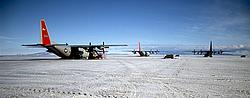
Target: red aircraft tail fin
{"x": 45, "y": 39}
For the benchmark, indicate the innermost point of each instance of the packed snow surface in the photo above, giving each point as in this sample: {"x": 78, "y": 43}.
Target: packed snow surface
{"x": 125, "y": 76}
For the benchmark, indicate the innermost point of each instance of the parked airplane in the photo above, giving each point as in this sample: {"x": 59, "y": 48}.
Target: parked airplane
{"x": 66, "y": 51}
{"x": 143, "y": 52}
{"x": 208, "y": 53}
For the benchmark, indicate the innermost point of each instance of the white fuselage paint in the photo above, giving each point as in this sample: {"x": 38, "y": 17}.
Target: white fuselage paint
{"x": 65, "y": 50}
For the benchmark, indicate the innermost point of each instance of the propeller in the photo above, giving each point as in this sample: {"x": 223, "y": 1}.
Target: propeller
{"x": 151, "y": 52}
{"x": 220, "y": 51}
{"x": 103, "y": 51}
{"x": 134, "y": 51}
{"x": 194, "y": 51}
{"x": 157, "y": 51}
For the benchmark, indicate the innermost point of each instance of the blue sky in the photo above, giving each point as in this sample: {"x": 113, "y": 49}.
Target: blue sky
{"x": 174, "y": 23}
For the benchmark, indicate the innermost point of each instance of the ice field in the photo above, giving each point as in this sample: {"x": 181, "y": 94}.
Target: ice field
{"x": 125, "y": 76}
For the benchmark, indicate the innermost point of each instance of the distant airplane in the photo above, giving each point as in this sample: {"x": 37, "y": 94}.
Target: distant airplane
{"x": 143, "y": 52}
{"x": 208, "y": 53}
{"x": 66, "y": 51}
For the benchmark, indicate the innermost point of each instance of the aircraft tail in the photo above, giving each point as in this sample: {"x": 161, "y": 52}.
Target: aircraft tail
{"x": 45, "y": 39}
{"x": 211, "y": 46}
{"x": 139, "y": 46}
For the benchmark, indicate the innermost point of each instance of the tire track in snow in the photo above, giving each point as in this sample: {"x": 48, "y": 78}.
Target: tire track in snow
{"x": 131, "y": 69}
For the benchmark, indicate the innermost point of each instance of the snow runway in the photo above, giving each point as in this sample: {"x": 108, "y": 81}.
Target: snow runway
{"x": 122, "y": 76}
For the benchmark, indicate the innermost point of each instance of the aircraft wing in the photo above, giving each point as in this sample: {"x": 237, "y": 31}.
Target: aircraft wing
{"x": 147, "y": 51}
{"x": 150, "y": 51}
{"x": 220, "y": 52}
{"x": 80, "y": 46}
{"x": 34, "y": 45}
{"x": 201, "y": 52}
{"x": 42, "y": 45}
{"x": 93, "y": 46}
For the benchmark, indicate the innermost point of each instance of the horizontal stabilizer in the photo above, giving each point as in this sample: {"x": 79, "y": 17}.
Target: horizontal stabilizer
{"x": 34, "y": 46}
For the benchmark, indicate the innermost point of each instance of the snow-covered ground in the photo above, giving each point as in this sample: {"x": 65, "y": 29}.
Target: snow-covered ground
{"x": 125, "y": 76}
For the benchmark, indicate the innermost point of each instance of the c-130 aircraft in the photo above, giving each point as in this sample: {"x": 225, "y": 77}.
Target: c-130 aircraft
{"x": 144, "y": 53}
{"x": 66, "y": 51}
{"x": 210, "y": 52}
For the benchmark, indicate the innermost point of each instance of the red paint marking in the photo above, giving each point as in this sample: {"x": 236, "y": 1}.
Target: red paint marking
{"x": 45, "y": 34}
{"x": 139, "y": 46}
